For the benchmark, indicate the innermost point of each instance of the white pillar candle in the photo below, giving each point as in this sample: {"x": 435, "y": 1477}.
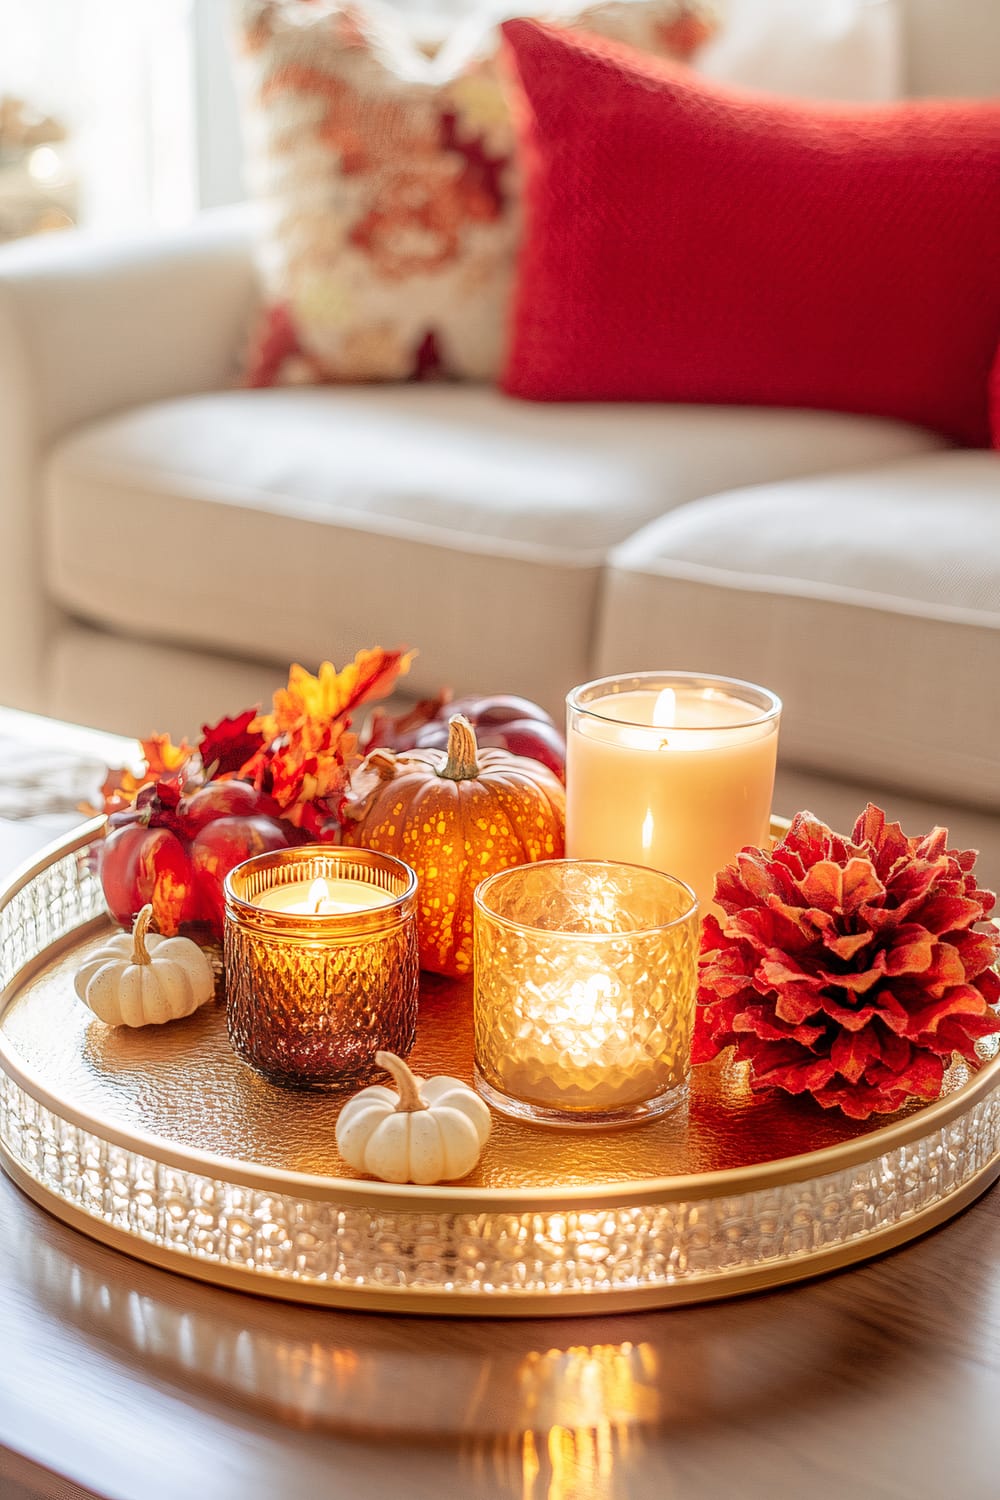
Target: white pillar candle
{"x": 670, "y": 770}
{"x": 323, "y": 898}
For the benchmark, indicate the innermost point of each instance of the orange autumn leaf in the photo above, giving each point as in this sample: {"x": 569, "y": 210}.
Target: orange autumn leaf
{"x": 307, "y": 744}
{"x": 309, "y": 703}
{"x": 374, "y": 673}
{"x": 164, "y": 758}
{"x": 298, "y": 782}
{"x": 164, "y": 761}
{"x": 301, "y": 753}
{"x": 118, "y": 791}
{"x": 303, "y": 768}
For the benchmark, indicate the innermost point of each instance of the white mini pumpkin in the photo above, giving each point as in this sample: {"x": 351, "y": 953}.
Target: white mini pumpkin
{"x": 142, "y": 979}
{"x": 433, "y": 1130}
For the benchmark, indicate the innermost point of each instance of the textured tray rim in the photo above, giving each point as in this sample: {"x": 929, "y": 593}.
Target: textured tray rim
{"x": 444, "y": 1197}
{"x": 594, "y": 1302}
{"x": 449, "y": 1209}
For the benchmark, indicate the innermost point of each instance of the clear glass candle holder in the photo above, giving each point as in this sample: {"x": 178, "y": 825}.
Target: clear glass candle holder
{"x": 320, "y": 978}
{"x": 670, "y": 769}
{"x": 585, "y": 984}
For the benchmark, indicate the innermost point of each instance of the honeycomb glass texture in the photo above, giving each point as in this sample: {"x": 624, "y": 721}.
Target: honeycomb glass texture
{"x": 506, "y": 1252}
{"x": 314, "y": 1015}
{"x": 585, "y": 982}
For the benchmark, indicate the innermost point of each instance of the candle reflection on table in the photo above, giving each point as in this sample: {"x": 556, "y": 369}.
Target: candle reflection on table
{"x": 548, "y": 1410}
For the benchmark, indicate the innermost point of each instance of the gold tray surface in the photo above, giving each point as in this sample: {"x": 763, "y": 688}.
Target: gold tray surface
{"x": 182, "y": 1085}
{"x": 161, "y": 1143}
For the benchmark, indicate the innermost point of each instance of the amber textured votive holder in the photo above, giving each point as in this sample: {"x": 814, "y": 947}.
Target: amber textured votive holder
{"x": 585, "y": 982}
{"x": 312, "y": 996}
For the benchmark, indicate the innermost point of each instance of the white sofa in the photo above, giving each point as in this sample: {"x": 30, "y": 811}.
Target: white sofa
{"x": 172, "y": 542}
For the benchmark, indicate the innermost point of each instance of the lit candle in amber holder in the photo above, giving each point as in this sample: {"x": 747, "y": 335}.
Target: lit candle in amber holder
{"x": 670, "y": 770}
{"x": 585, "y": 981}
{"x": 321, "y": 964}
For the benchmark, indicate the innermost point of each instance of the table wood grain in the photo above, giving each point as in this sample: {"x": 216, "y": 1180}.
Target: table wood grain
{"x": 879, "y": 1383}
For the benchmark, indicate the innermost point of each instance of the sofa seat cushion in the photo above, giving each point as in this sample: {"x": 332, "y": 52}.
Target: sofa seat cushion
{"x": 870, "y": 601}
{"x": 297, "y": 524}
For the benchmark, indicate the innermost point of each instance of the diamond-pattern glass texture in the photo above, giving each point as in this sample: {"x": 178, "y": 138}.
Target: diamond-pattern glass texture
{"x": 311, "y": 999}
{"x": 585, "y": 983}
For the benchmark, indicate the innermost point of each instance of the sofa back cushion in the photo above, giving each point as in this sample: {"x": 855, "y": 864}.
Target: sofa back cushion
{"x": 389, "y": 190}
{"x": 742, "y": 249}
{"x": 950, "y": 47}
{"x": 821, "y": 49}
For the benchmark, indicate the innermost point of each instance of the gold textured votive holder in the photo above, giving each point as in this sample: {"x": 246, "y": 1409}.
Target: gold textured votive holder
{"x": 312, "y": 995}
{"x": 585, "y": 983}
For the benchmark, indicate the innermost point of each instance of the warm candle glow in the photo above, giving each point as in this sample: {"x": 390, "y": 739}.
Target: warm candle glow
{"x": 585, "y": 990}
{"x": 323, "y": 898}
{"x": 665, "y": 709}
{"x": 677, "y": 777}
{"x": 588, "y": 1007}
{"x": 321, "y": 964}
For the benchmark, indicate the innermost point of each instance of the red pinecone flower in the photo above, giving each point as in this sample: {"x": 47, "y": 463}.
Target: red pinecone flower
{"x": 849, "y": 969}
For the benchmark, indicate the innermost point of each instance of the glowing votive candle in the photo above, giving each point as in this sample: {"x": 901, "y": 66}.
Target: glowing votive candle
{"x": 670, "y": 770}
{"x": 321, "y": 960}
{"x": 585, "y": 981}
{"x": 323, "y": 898}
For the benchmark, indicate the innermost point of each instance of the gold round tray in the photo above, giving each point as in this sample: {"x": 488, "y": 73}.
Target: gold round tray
{"x": 161, "y": 1143}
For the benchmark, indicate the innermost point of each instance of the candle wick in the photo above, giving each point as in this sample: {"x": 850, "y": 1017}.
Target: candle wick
{"x": 664, "y": 744}
{"x": 317, "y": 907}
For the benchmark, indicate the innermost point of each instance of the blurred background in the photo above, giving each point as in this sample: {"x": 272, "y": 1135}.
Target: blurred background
{"x": 122, "y": 114}
{"x": 114, "y": 113}
{"x": 118, "y": 114}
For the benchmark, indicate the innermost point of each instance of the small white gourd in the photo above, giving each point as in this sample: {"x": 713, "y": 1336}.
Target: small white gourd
{"x": 433, "y": 1130}
{"x": 142, "y": 979}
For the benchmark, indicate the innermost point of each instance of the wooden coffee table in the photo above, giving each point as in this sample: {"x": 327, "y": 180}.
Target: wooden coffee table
{"x": 123, "y": 1381}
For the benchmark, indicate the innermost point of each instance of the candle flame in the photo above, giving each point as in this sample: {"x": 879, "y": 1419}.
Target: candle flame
{"x": 319, "y": 892}
{"x": 589, "y": 1000}
{"x": 647, "y": 831}
{"x": 665, "y": 710}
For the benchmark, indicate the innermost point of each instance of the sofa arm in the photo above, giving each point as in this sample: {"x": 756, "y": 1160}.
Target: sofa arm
{"x": 87, "y": 328}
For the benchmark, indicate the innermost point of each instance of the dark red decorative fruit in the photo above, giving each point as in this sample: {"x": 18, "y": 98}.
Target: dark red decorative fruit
{"x": 502, "y": 722}
{"x": 226, "y": 799}
{"x": 140, "y": 865}
{"x": 174, "y": 851}
{"x": 219, "y": 847}
{"x": 496, "y": 708}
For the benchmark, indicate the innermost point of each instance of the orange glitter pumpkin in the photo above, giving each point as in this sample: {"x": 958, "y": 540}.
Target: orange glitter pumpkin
{"x": 456, "y": 816}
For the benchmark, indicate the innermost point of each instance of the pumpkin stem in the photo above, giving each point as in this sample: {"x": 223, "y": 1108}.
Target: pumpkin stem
{"x": 461, "y": 764}
{"x": 140, "y": 953}
{"x": 409, "y": 1090}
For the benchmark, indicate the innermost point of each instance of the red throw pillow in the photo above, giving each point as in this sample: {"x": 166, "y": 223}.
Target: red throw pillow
{"x": 688, "y": 242}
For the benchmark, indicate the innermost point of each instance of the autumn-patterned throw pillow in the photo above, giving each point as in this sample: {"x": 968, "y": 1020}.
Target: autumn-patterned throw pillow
{"x": 388, "y": 183}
